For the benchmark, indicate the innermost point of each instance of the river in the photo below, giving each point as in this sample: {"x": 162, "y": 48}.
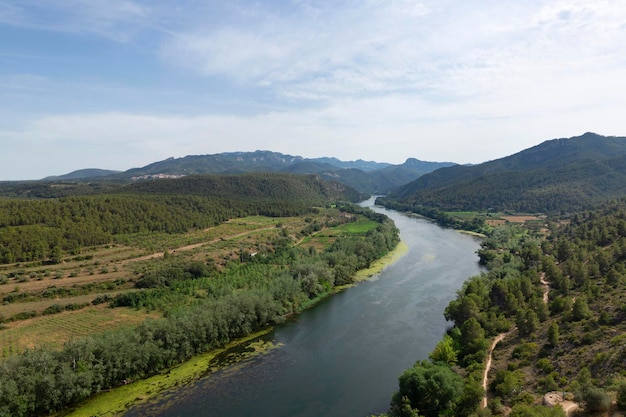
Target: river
{"x": 343, "y": 357}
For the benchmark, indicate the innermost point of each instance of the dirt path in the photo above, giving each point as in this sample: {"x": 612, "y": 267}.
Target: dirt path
{"x": 497, "y": 340}
{"x": 195, "y": 245}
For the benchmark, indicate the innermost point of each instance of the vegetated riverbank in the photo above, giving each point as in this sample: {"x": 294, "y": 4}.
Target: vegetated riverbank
{"x": 569, "y": 340}
{"x": 118, "y": 400}
{"x": 379, "y": 265}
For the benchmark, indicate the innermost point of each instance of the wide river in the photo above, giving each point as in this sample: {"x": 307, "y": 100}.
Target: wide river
{"x": 343, "y": 357}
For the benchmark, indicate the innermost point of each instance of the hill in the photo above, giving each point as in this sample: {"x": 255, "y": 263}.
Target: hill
{"x": 251, "y": 186}
{"x": 82, "y": 174}
{"x": 560, "y": 174}
{"x": 102, "y": 290}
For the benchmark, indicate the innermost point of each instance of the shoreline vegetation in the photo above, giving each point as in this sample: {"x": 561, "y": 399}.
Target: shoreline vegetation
{"x": 115, "y": 402}
{"x": 556, "y": 292}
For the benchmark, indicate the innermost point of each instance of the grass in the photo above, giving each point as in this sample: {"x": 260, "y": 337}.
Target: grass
{"x": 39, "y": 306}
{"x": 54, "y": 330}
{"x": 360, "y": 227}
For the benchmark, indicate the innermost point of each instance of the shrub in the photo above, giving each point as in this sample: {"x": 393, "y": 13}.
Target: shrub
{"x": 621, "y": 395}
{"x": 596, "y": 400}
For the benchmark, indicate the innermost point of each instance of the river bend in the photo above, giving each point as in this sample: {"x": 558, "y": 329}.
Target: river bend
{"x": 343, "y": 357}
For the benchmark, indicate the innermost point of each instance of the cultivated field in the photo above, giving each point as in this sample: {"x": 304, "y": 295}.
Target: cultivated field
{"x": 49, "y": 304}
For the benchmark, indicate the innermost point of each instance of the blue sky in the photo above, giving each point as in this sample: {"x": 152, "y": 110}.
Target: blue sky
{"x": 119, "y": 84}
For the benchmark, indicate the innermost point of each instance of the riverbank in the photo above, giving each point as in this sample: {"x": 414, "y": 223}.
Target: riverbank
{"x": 117, "y": 401}
{"x": 380, "y": 264}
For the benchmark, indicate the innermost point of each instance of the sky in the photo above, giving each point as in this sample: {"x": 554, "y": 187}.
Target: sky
{"x": 119, "y": 84}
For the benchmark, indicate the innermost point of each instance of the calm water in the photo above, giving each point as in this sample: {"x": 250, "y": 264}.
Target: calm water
{"x": 343, "y": 357}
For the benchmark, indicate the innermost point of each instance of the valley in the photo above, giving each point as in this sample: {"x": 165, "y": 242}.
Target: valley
{"x": 99, "y": 277}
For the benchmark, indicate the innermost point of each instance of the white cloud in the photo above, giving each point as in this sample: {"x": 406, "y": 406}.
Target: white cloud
{"x": 439, "y": 51}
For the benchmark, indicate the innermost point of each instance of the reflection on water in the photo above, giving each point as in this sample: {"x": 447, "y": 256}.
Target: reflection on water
{"x": 343, "y": 357}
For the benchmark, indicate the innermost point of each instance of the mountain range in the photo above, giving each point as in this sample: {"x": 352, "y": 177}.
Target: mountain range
{"x": 563, "y": 174}
{"x": 364, "y": 176}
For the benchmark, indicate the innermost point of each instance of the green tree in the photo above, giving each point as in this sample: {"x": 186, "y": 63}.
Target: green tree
{"x": 431, "y": 388}
{"x": 580, "y": 310}
{"x": 444, "y": 351}
{"x": 527, "y": 322}
{"x": 524, "y": 410}
{"x": 473, "y": 339}
{"x": 596, "y": 399}
{"x": 553, "y": 335}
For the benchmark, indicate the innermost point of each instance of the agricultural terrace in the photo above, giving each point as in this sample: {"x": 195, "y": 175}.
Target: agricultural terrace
{"x": 49, "y": 304}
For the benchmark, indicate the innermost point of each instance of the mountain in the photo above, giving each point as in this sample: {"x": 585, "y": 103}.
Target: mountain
{"x": 358, "y": 164}
{"x": 364, "y": 176}
{"x": 82, "y": 174}
{"x": 559, "y": 174}
{"x": 224, "y": 163}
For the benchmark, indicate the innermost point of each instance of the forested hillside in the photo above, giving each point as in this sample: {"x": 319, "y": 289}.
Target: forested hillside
{"x": 557, "y": 175}
{"x": 282, "y": 187}
{"x": 557, "y": 302}
{"x": 45, "y": 230}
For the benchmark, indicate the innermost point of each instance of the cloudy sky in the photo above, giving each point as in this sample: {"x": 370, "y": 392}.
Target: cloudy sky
{"x": 118, "y": 84}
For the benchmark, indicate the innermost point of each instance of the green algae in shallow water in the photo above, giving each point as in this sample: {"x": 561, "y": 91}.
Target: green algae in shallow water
{"x": 117, "y": 401}
{"x": 379, "y": 265}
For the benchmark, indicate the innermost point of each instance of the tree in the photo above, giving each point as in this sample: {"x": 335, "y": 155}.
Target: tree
{"x": 580, "y": 311}
{"x": 553, "y": 335}
{"x": 527, "y": 322}
{"x": 524, "y": 410}
{"x": 596, "y": 399}
{"x": 431, "y": 388}
{"x": 444, "y": 351}
{"x": 473, "y": 339}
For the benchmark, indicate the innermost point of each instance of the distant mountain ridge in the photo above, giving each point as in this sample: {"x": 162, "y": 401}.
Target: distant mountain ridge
{"x": 558, "y": 174}
{"x": 82, "y": 174}
{"x": 365, "y": 176}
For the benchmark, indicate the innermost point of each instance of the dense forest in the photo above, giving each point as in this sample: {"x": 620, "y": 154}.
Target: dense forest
{"x": 573, "y": 341}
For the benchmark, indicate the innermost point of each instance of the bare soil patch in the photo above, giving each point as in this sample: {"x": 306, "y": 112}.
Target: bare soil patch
{"x": 520, "y": 218}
